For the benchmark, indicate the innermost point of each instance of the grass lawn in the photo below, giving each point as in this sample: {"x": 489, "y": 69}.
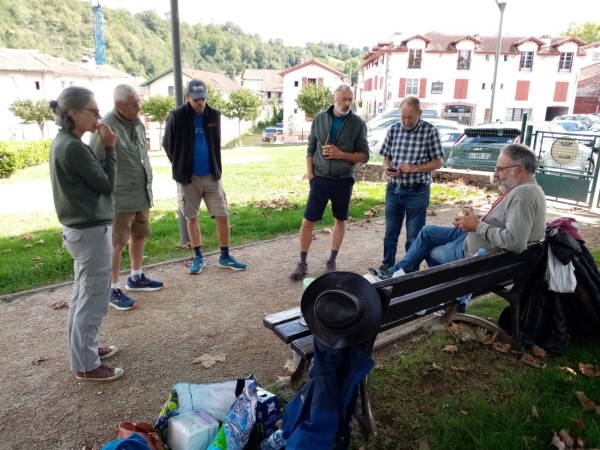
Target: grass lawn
{"x": 266, "y": 192}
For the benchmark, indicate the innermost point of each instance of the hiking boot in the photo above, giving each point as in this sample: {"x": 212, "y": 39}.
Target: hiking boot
{"x": 101, "y": 373}
{"x": 231, "y": 263}
{"x": 300, "y": 272}
{"x": 107, "y": 352}
{"x": 197, "y": 264}
{"x": 120, "y": 301}
{"x": 330, "y": 266}
{"x": 381, "y": 274}
{"x": 384, "y": 267}
{"x": 143, "y": 283}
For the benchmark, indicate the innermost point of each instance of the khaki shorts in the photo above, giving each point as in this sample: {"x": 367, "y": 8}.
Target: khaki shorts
{"x": 127, "y": 224}
{"x": 205, "y": 188}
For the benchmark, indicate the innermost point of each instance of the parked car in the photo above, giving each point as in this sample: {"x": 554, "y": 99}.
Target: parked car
{"x": 269, "y": 134}
{"x": 571, "y": 125}
{"x": 586, "y": 119}
{"x": 426, "y": 113}
{"x": 448, "y": 138}
{"x": 478, "y": 148}
{"x": 279, "y": 128}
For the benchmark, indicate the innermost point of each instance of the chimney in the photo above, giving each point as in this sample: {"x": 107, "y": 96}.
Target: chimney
{"x": 396, "y": 39}
{"x": 546, "y": 39}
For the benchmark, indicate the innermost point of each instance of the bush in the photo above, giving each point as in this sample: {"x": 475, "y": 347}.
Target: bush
{"x": 15, "y": 155}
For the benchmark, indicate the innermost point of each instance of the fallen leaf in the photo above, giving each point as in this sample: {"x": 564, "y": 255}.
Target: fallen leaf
{"x": 39, "y": 360}
{"x": 490, "y": 339}
{"x": 579, "y": 423}
{"x": 5, "y": 251}
{"x": 501, "y": 347}
{"x": 589, "y": 370}
{"x": 424, "y": 444}
{"x": 27, "y": 245}
{"x": 451, "y": 349}
{"x": 207, "y": 360}
{"x": 281, "y": 378}
{"x": 436, "y": 366}
{"x": 566, "y": 438}
{"x": 26, "y": 237}
{"x": 534, "y": 412}
{"x": 60, "y": 304}
{"x": 289, "y": 366}
{"x": 530, "y": 360}
{"x": 539, "y": 351}
{"x": 40, "y": 242}
{"x": 560, "y": 445}
{"x": 36, "y": 258}
{"x": 568, "y": 370}
{"x": 326, "y": 231}
{"x": 586, "y": 403}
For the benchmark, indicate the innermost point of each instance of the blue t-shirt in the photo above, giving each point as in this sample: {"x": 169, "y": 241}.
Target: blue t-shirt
{"x": 336, "y": 125}
{"x": 201, "y": 165}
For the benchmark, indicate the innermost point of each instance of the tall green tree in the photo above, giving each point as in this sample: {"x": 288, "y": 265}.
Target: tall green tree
{"x": 157, "y": 109}
{"x": 32, "y": 112}
{"x": 313, "y": 99}
{"x": 243, "y": 104}
{"x": 587, "y": 31}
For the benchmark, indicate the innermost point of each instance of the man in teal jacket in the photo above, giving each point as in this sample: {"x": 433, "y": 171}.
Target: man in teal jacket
{"x": 132, "y": 196}
{"x": 336, "y": 143}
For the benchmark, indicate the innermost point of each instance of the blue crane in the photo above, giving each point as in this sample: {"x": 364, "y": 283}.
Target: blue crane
{"x": 100, "y": 47}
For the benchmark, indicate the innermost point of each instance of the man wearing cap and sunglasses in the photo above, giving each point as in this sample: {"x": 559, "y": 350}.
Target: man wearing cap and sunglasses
{"x": 192, "y": 142}
{"x": 516, "y": 218}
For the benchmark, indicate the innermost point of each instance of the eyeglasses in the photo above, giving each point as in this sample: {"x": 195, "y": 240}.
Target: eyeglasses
{"x": 502, "y": 169}
{"x": 96, "y": 111}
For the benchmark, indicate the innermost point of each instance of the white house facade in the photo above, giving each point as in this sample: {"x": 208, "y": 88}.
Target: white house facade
{"x": 454, "y": 74}
{"x": 294, "y": 79}
{"x": 30, "y": 75}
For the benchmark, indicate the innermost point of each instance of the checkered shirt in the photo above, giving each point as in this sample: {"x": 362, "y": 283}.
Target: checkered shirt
{"x": 418, "y": 146}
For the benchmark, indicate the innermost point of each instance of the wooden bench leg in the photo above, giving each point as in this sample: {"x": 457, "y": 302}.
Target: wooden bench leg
{"x": 364, "y": 417}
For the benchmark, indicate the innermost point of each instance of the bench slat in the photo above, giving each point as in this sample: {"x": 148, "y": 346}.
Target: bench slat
{"x": 290, "y": 331}
{"x": 304, "y": 346}
{"x": 274, "y": 319}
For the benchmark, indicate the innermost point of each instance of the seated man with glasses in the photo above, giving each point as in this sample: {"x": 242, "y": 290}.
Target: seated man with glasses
{"x": 517, "y": 218}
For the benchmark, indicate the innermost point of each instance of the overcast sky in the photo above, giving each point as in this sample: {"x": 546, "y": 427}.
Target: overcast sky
{"x": 297, "y": 23}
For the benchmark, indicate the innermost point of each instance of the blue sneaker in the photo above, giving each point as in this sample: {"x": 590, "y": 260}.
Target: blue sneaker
{"x": 143, "y": 283}
{"x": 120, "y": 301}
{"x": 231, "y": 263}
{"x": 197, "y": 265}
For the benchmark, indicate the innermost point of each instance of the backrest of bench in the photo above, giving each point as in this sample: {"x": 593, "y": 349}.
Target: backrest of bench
{"x": 428, "y": 289}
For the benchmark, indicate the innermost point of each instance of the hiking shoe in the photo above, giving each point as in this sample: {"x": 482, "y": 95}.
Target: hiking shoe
{"x": 381, "y": 274}
{"x": 231, "y": 263}
{"x": 143, "y": 283}
{"x": 197, "y": 264}
{"x": 300, "y": 272}
{"x": 101, "y": 373}
{"x": 120, "y": 301}
{"x": 107, "y": 352}
{"x": 384, "y": 267}
{"x": 330, "y": 266}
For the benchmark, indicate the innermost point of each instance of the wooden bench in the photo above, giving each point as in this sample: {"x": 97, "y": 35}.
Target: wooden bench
{"x": 509, "y": 275}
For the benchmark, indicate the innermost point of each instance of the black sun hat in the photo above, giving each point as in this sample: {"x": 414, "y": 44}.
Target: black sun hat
{"x": 341, "y": 309}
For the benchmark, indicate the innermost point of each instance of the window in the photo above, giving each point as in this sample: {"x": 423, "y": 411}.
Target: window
{"x": 37, "y": 85}
{"x": 412, "y": 86}
{"x": 526, "y": 63}
{"x": 296, "y": 83}
{"x": 464, "y": 60}
{"x": 414, "y": 59}
{"x": 483, "y": 86}
{"x": 505, "y": 57}
{"x": 566, "y": 62}
{"x": 516, "y": 114}
{"x": 171, "y": 91}
{"x": 311, "y": 81}
{"x": 487, "y": 57}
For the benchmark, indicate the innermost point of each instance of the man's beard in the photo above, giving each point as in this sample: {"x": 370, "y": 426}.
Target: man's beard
{"x": 508, "y": 184}
{"x": 410, "y": 128}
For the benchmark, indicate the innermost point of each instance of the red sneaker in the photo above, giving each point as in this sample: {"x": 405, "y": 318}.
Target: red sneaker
{"x": 101, "y": 373}
{"x": 108, "y": 351}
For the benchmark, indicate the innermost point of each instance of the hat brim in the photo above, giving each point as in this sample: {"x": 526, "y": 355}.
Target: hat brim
{"x": 360, "y": 288}
{"x": 203, "y": 95}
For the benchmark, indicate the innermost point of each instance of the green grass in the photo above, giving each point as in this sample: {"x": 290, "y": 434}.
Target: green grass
{"x": 266, "y": 192}
{"x": 478, "y": 398}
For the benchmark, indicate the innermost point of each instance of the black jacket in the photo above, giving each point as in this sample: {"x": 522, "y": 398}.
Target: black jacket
{"x": 178, "y": 141}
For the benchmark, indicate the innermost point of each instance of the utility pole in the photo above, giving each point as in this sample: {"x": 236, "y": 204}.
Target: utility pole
{"x": 501, "y": 6}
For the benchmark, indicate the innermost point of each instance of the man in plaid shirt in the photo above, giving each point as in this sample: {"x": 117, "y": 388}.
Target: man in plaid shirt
{"x": 411, "y": 150}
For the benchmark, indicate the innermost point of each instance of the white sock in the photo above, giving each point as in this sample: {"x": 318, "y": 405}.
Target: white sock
{"x": 398, "y": 273}
{"x": 115, "y": 285}
{"x": 136, "y": 273}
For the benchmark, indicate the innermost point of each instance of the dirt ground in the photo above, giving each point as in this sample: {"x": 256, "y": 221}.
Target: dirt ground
{"x": 218, "y": 312}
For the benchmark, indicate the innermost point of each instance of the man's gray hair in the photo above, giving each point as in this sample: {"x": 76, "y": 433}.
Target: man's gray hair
{"x": 521, "y": 155}
{"x": 411, "y": 101}
{"x": 124, "y": 92}
{"x": 343, "y": 87}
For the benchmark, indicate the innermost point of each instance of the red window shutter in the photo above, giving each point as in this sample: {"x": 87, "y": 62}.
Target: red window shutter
{"x": 423, "y": 88}
{"x": 402, "y": 88}
{"x": 560, "y": 91}
{"x": 522, "y": 90}
{"x": 304, "y": 81}
{"x": 461, "y": 88}
{"x": 380, "y": 82}
{"x": 320, "y": 81}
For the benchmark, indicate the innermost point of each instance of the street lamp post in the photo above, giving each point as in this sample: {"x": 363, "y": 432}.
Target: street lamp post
{"x": 501, "y": 6}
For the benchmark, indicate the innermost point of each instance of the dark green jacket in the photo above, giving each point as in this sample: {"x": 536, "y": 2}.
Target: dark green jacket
{"x": 352, "y": 138}
{"x": 82, "y": 185}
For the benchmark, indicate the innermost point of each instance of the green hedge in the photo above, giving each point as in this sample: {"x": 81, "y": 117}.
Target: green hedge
{"x": 15, "y": 155}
